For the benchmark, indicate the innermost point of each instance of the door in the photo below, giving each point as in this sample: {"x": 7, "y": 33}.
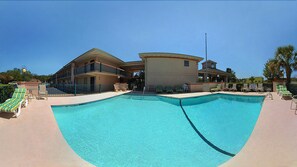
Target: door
{"x": 85, "y": 68}
{"x": 92, "y": 65}
{"x": 92, "y": 84}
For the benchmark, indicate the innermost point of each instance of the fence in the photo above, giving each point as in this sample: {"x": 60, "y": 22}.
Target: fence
{"x": 83, "y": 88}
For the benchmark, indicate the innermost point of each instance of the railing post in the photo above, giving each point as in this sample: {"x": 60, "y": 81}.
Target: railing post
{"x": 100, "y": 67}
{"x": 74, "y": 89}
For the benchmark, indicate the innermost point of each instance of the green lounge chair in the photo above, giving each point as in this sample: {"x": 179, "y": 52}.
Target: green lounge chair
{"x": 20, "y": 93}
{"x": 218, "y": 88}
{"x": 169, "y": 89}
{"x": 14, "y": 104}
{"x": 159, "y": 89}
{"x": 285, "y": 93}
{"x": 179, "y": 89}
{"x": 279, "y": 88}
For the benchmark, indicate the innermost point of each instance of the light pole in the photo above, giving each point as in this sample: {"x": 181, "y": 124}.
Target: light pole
{"x": 24, "y": 70}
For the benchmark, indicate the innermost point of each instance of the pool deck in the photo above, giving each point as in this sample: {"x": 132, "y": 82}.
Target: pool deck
{"x": 34, "y": 138}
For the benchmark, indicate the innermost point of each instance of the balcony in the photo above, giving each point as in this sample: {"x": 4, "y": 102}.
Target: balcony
{"x": 64, "y": 76}
{"x": 99, "y": 67}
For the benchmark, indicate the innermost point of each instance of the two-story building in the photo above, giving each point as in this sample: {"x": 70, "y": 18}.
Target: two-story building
{"x": 93, "y": 71}
{"x": 97, "y": 71}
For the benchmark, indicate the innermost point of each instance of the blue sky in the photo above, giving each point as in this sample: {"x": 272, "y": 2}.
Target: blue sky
{"x": 44, "y": 36}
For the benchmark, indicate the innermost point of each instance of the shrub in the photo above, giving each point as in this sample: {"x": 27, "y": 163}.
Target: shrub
{"x": 293, "y": 88}
{"x": 5, "y": 92}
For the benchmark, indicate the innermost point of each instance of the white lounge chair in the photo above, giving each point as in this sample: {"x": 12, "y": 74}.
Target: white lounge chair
{"x": 245, "y": 88}
{"x": 260, "y": 87}
{"x": 294, "y": 100}
{"x": 253, "y": 87}
{"x": 233, "y": 87}
{"x": 218, "y": 88}
{"x": 42, "y": 92}
{"x": 226, "y": 87}
{"x": 116, "y": 87}
{"x": 123, "y": 86}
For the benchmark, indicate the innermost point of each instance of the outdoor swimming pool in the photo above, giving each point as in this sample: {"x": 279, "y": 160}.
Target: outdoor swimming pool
{"x": 131, "y": 130}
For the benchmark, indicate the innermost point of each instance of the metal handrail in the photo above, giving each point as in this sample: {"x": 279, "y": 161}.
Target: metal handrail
{"x": 100, "y": 67}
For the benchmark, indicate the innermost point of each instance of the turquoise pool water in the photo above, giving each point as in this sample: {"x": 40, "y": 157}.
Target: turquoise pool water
{"x": 153, "y": 131}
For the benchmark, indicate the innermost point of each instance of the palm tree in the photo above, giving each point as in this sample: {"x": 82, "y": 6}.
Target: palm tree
{"x": 287, "y": 60}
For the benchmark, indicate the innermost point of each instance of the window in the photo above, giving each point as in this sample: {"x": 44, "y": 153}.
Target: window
{"x": 186, "y": 63}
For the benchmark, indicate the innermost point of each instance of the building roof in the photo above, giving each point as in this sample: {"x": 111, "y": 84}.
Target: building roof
{"x": 133, "y": 65}
{"x": 213, "y": 71}
{"x": 169, "y": 55}
{"x": 209, "y": 61}
{"x": 102, "y": 53}
{"x": 93, "y": 52}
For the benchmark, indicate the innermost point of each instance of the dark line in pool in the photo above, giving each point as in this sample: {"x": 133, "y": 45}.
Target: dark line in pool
{"x": 201, "y": 136}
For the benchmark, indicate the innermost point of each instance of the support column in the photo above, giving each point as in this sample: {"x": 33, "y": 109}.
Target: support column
{"x": 72, "y": 73}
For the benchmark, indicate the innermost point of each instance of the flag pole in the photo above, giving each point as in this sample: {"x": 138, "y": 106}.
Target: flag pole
{"x": 206, "y": 64}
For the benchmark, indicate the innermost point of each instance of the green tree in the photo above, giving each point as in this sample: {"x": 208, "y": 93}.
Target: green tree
{"x": 286, "y": 59}
{"x": 15, "y": 73}
{"x": 272, "y": 70}
{"x": 42, "y": 78}
{"x": 5, "y": 78}
{"x": 19, "y": 75}
{"x": 252, "y": 79}
{"x": 233, "y": 77}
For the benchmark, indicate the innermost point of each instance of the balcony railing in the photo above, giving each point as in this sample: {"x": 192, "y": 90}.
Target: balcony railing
{"x": 64, "y": 75}
{"x": 99, "y": 67}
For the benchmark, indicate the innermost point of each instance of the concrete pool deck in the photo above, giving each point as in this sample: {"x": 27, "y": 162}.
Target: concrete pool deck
{"x": 34, "y": 139}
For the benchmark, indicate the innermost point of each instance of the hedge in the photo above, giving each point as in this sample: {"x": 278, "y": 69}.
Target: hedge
{"x": 293, "y": 88}
{"x": 5, "y": 92}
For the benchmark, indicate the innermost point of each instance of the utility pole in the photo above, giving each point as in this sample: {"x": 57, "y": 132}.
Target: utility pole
{"x": 206, "y": 64}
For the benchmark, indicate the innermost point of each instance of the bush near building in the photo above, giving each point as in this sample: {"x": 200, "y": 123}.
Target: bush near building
{"x": 5, "y": 92}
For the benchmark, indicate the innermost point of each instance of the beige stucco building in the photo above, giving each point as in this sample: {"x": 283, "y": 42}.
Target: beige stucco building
{"x": 93, "y": 71}
{"x": 169, "y": 69}
{"x": 97, "y": 71}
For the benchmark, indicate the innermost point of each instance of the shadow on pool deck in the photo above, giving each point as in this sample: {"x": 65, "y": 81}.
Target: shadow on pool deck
{"x": 6, "y": 115}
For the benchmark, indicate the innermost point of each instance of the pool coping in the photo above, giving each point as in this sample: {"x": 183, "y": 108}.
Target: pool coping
{"x": 232, "y": 161}
{"x": 172, "y": 96}
{"x": 272, "y": 142}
